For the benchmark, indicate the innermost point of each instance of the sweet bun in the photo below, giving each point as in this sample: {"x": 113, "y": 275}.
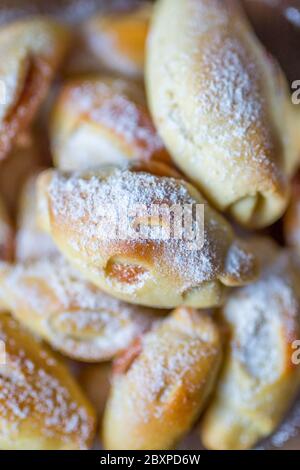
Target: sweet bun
{"x": 41, "y": 406}
{"x": 222, "y": 107}
{"x": 259, "y": 380}
{"x": 117, "y": 40}
{"x": 291, "y": 220}
{"x": 160, "y": 387}
{"x": 6, "y": 235}
{"x": 95, "y": 382}
{"x": 31, "y": 50}
{"x": 53, "y": 300}
{"x": 119, "y": 227}
{"x": 102, "y": 120}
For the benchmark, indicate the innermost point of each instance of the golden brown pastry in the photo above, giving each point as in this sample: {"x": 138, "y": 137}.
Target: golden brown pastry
{"x": 6, "y": 235}
{"x": 117, "y": 39}
{"x": 161, "y": 386}
{"x": 95, "y": 382}
{"x": 222, "y": 107}
{"x": 41, "y": 406}
{"x": 291, "y": 221}
{"x": 259, "y": 380}
{"x": 100, "y": 221}
{"x": 102, "y": 120}
{"x": 31, "y": 51}
{"x": 55, "y": 302}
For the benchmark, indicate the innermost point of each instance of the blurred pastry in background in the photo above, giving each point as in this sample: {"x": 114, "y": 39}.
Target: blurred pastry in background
{"x": 56, "y": 303}
{"x": 32, "y": 50}
{"x": 113, "y": 42}
{"x": 41, "y": 405}
{"x": 259, "y": 380}
{"x": 102, "y": 120}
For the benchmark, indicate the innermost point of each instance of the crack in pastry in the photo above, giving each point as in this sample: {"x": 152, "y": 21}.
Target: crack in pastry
{"x": 33, "y": 50}
{"x": 100, "y": 120}
{"x": 157, "y": 395}
{"x": 88, "y": 217}
{"x": 41, "y": 406}
{"x": 222, "y": 107}
{"x": 259, "y": 381}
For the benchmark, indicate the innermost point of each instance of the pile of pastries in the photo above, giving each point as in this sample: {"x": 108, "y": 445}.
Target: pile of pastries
{"x": 140, "y": 341}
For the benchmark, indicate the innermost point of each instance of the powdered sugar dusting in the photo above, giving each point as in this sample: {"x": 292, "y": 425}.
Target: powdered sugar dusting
{"x": 30, "y": 391}
{"x": 168, "y": 356}
{"x": 80, "y": 200}
{"x": 108, "y": 105}
{"x": 269, "y": 307}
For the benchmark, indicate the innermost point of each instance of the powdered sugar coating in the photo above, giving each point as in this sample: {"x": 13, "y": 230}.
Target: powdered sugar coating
{"x": 34, "y": 394}
{"x": 80, "y": 200}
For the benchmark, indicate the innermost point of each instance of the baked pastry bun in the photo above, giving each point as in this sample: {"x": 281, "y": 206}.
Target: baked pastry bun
{"x": 124, "y": 229}
{"x": 259, "y": 380}
{"x": 117, "y": 39}
{"x": 53, "y": 300}
{"x": 41, "y": 406}
{"x": 31, "y": 52}
{"x": 291, "y": 220}
{"x": 95, "y": 382}
{"x": 222, "y": 107}
{"x": 161, "y": 385}
{"x": 6, "y": 235}
{"x": 102, "y": 120}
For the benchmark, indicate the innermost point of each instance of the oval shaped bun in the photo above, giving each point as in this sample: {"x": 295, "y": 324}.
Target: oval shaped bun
{"x": 116, "y": 225}
{"x": 222, "y": 107}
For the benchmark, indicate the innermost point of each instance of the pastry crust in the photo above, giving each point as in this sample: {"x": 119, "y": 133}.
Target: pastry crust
{"x": 259, "y": 380}
{"x": 41, "y": 406}
{"x": 222, "y": 107}
{"x": 102, "y": 120}
{"x": 158, "y": 392}
{"x": 117, "y": 39}
{"x": 100, "y": 221}
{"x": 32, "y": 50}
